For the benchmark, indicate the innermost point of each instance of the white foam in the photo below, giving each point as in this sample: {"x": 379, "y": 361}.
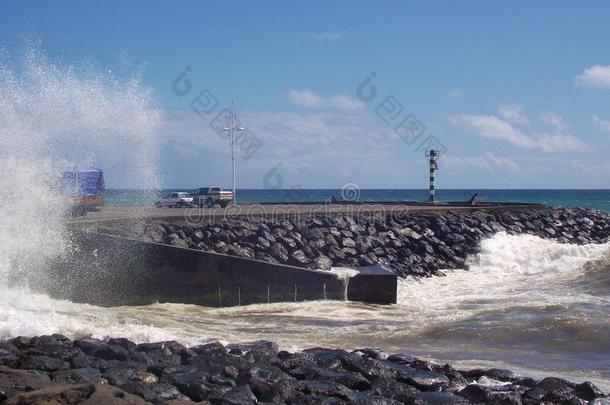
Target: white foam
{"x": 521, "y": 269}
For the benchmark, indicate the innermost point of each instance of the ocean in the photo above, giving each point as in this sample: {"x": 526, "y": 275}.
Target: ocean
{"x": 531, "y": 305}
{"x": 598, "y": 199}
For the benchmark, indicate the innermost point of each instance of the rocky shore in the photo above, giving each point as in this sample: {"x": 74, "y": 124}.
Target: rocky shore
{"x": 56, "y": 370}
{"x": 412, "y": 244}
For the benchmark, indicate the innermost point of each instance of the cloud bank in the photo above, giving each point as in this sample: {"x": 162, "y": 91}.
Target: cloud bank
{"x": 491, "y": 127}
{"x": 309, "y": 99}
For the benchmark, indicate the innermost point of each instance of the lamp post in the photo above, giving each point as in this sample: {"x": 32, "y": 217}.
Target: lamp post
{"x": 232, "y": 128}
{"x": 432, "y": 155}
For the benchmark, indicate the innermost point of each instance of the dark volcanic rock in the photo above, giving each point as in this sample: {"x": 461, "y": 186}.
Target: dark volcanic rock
{"x": 13, "y": 381}
{"x": 501, "y": 394}
{"x": 248, "y": 373}
{"x": 77, "y": 394}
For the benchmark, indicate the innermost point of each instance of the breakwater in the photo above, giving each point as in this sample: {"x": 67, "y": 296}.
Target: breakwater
{"x": 55, "y": 369}
{"x": 412, "y": 244}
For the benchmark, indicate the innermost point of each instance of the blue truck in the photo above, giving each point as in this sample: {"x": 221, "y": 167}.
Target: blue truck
{"x": 84, "y": 188}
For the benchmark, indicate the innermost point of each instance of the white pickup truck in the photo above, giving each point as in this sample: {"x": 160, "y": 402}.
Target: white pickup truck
{"x": 176, "y": 199}
{"x": 210, "y": 196}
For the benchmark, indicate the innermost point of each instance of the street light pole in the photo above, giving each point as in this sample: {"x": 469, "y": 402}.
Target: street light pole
{"x": 232, "y": 128}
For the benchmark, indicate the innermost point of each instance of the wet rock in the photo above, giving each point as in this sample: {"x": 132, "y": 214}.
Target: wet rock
{"x": 156, "y": 393}
{"x": 588, "y": 391}
{"x": 373, "y": 368}
{"x": 242, "y": 395}
{"x": 500, "y": 374}
{"x": 8, "y": 355}
{"x": 78, "y": 375}
{"x": 323, "y": 262}
{"x": 499, "y": 394}
{"x": 427, "y": 380}
{"x": 390, "y": 388}
{"x": 261, "y": 352}
{"x": 353, "y": 380}
{"x": 43, "y": 363}
{"x": 14, "y": 381}
{"x": 119, "y": 376}
{"x": 329, "y": 389}
{"x": 299, "y": 258}
{"x": 103, "y": 350}
{"x": 279, "y": 252}
{"x": 124, "y": 343}
{"x": 77, "y": 394}
{"x": 440, "y": 398}
{"x": 271, "y": 384}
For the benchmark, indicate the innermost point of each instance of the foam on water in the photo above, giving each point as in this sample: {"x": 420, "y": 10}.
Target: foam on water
{"x": 509, "y": 270}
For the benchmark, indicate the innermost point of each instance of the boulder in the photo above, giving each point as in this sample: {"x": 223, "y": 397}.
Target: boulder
{"x": 14, "y": 381}
{"x": 323, "y": 262}
{"x": 329, "y": 389}
{"x": 588, "y": 391}
{"x": 279, "y": 252}
{"x": 299, "y": 258}
{"x": 86, "y": 394}
{"x": 499, "y": 394}
{"x": 242, "y": 395}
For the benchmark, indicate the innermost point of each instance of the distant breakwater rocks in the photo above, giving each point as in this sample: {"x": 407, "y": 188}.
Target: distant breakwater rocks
{"x": 412, "y": 244}
{"x": 53, "y": 369}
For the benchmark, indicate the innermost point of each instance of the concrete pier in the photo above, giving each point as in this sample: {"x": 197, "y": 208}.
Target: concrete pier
{"x": 120, "y": 270}
{"x": 110, "y": 214}
{"x": 111, "y": 271}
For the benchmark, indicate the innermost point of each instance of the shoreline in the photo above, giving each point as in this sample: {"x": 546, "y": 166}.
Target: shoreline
{"x": 246, "y": 373}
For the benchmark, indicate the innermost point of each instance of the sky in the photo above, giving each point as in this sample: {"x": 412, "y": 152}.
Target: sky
{"x": 513, "y": 94}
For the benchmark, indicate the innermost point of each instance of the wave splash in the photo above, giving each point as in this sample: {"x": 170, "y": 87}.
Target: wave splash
{"x": 54, "y": 116}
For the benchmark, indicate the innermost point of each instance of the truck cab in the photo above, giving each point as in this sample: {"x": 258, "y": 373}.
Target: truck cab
{"x": 210, "y": 196}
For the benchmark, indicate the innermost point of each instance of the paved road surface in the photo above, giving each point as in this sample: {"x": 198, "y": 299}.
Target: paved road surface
{"x": 131, "y": 213}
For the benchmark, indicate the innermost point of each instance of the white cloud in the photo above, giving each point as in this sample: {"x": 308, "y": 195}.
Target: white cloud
{"x": 495, "y": 128}
{"x": 455, "y": 93}
{"x": 600, "y": 124}
{"x": 554, "y": 120}
{"x": 597, "y": 77}
{"x": 309, "y": 99}
{"x": 491, "y": 127}
{"x": 305, "y": 98}
{"x": 487, "y": 160}
{"x": 328, "y": 36}
{"x": 344, "y": 102}
{"x": 513, "y": 113}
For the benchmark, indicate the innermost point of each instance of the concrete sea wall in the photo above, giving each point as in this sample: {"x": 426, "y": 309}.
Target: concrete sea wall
{"x": 112, "y": 270}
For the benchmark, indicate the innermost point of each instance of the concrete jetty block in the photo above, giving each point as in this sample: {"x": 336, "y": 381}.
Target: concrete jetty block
{"x": 111, "y": 270}
{"x": 373, "y": 284}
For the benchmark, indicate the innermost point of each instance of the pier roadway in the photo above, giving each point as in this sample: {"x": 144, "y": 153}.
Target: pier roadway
{"x": 244, "y": 211}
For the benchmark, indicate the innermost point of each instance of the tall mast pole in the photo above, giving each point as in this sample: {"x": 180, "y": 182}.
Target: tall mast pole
{"x": 233, "y": 147}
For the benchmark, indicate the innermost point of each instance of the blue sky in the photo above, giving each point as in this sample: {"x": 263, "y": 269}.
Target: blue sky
{"x": 518, "y": 94}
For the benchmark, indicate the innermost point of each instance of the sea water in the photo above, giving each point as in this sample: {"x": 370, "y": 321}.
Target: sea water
{"x": 597, "y": 199}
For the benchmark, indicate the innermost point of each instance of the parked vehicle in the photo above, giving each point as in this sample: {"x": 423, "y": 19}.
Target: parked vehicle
{"x": 210, "y": 196}
{"x": 177, "y": 199}
{"x": 84, "y": 188}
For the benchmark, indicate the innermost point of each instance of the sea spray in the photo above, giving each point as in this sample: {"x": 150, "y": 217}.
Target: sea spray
{"x": 55, "y": 116}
